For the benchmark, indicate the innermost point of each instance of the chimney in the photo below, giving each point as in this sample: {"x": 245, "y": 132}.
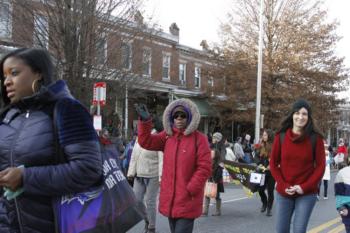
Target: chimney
{"x": 174, "y": 30}
{"x": 138, "y": 18}
{"x": 204, "y": 44}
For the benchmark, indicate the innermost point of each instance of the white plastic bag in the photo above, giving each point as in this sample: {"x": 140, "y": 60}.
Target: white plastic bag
{"x": 339, "y": 158}
{"x": 257, "y": 178}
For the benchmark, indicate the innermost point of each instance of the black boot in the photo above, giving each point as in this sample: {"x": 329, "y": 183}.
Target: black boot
{"x": 218, "y": 208}
{"x": 146, "y": 226}
{"x": 269, "y": 212}
{"x": 263, "y": 208}
{"x": 206, "y": 206}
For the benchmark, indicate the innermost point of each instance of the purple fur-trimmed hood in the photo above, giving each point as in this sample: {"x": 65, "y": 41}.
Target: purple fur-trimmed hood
{"x": 190, "y": 107}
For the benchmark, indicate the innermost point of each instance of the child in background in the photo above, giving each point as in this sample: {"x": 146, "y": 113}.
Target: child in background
{"x": 342, "y": 197}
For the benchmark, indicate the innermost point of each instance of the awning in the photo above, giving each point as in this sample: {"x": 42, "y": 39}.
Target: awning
{"x": 205, "y": 109}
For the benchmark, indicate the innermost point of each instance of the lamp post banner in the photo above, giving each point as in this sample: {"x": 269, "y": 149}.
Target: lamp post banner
{"x": 99, "y": 95}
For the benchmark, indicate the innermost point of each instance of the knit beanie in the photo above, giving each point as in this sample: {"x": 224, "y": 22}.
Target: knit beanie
{"x": 179, "y": 108}
{"x": 301, "y": 103}
{"x": 217, "y": 136}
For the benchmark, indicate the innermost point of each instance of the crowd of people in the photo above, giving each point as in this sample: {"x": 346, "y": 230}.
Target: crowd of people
{"x": 173, "y": 159}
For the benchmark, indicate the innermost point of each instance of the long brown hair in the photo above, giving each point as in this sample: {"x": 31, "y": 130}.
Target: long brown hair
{"x": 268, "y": 144}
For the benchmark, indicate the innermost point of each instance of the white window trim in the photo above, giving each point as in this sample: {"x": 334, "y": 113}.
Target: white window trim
{"x": 211, "y": 81}
{"x": 129, "y": 43}
{"x": 104, "y": 49}
{"x": 40, "y": 30}
{"x": 199, "y": 77}
{"x": 169, "y": 67}
{"x": 182, "y": 81}
{"x": 9, "y": 28}
{"x": 150, "y": 61}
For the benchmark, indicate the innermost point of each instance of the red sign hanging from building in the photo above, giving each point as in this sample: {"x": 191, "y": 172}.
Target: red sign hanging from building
{"x": 99, "y": 94}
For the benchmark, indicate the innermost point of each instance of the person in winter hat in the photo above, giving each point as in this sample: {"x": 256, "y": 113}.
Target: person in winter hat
{"x": 186, "y": 161}
{"x": 217, "y": 137}
{"x": 297, "y": 167}
{"x": 219, "y": 145}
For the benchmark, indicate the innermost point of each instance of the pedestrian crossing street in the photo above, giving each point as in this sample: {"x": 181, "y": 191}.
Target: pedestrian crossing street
{"x": 332, "y": 226}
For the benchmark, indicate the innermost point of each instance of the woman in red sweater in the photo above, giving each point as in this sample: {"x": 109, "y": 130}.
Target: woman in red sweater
{"x": 297, "y": 164}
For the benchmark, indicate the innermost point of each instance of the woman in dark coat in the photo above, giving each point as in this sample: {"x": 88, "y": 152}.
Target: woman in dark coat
{"x": 217, "y": 178}
{"x": 28, "y": 171}
{"x": 262, "y": 159}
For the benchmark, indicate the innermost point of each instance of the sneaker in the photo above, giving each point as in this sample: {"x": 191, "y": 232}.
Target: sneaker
{"x": 325, "y": 198}
{"x": 318, "y": 197}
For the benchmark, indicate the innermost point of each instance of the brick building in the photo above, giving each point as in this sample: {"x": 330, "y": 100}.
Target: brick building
{"x": 164, "y": 69}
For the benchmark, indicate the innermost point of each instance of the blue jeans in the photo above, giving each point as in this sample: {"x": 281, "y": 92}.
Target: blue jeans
{"x": 300, "y": 207}
{"x": 247, "y": 158}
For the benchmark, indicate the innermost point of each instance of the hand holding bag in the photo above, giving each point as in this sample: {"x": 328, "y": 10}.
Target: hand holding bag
{"x": 211, "y": 189}
{"x": 109, "y": 208}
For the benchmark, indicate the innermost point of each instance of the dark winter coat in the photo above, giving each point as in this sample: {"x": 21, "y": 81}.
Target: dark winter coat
{"x": 217, "y": 178}
{"x": 186, "y": 162}
{"x": 26, "y": 138}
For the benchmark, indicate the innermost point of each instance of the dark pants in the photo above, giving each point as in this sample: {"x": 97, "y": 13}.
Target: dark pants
{"x": 347, "y": 228}
{"x": 325, "y": 188}
{"x": 217, "y": 196}
{"x": 181, "y": 225}
{"x": 270, "y": 186}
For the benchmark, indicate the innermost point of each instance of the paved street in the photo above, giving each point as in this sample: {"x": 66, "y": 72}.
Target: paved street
{"x": 242, "y": 214}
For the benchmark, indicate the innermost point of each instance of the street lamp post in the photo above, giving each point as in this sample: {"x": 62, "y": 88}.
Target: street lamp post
{"x": 258, "y": 86}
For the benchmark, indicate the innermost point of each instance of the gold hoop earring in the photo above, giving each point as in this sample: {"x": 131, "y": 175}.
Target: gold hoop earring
{"x": 36, "y": 86}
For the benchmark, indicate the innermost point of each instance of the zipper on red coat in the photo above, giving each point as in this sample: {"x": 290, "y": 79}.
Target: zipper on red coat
{"x": 178, "y": 139}
{"x": 12, "y": 164}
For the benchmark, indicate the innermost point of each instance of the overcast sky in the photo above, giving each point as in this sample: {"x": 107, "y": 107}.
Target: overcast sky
{"x": 200, "y": 19}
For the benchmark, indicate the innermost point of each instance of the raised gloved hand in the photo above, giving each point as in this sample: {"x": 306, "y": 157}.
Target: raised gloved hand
{"x": 142, "y": 111}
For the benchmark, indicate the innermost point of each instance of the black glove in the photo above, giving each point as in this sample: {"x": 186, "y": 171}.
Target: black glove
{"x": 142, "y": 111}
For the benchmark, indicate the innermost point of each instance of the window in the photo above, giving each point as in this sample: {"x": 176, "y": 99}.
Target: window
{"x": 101, "y": 50}
{"x": 166, "y": 66}
{"x": 182, "y": 74}
{"x": 197, "y": 77}
{"x": 211, "y": 85}
{"x": 211, "y": 82}
{"x": 41, "y": 31}
{"x": 126, "y": 55}
{"x": 146, "y": 61}
{"x": 5, "y": 20}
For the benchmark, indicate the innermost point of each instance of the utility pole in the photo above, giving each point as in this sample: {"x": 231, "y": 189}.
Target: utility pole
{"x": 258, "y": 86}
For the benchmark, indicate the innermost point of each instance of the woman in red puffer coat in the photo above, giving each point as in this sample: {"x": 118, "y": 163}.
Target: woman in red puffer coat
{"x": 186, "y": 162}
